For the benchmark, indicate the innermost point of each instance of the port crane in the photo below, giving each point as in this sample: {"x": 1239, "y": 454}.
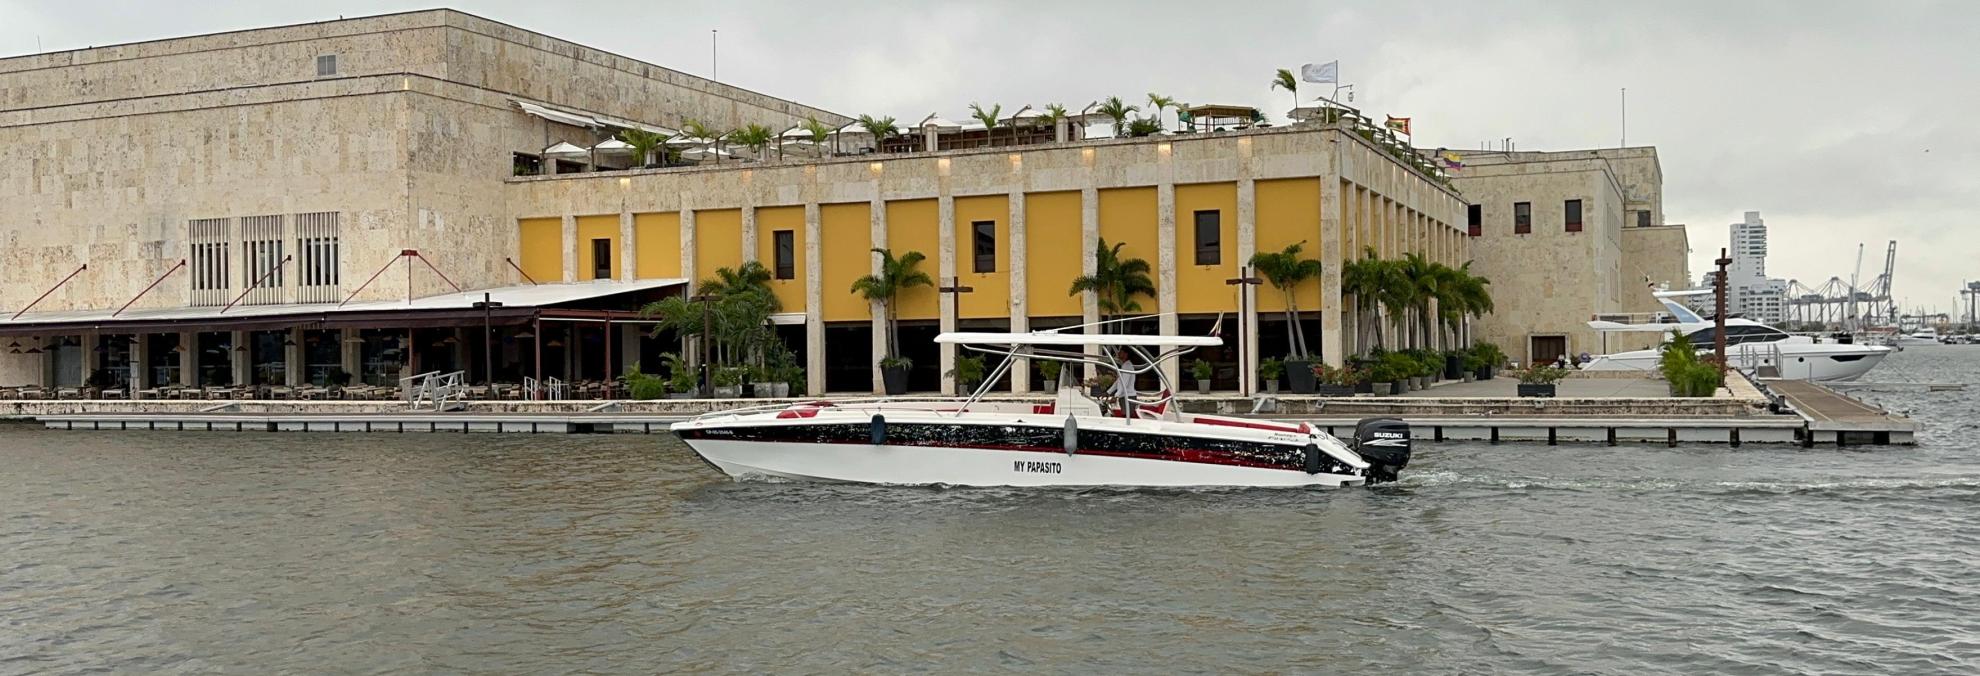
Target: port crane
{"x": 1840, "y": 302}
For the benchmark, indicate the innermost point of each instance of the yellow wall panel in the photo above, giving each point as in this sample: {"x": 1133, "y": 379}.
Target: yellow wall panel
{"x": 542, "y": 244}
{"x": 1289, "y": 212}
{"x": 593, "y": 228}
{"x": 1128, "y": 215}
{"x": 717, "y": 241}
{"x": 1052, "y": 253}
{"x": 990, "y": 294}
{"x": 915, "y": 225}
{"x": 658, "y": 238}
{"x": 844, "y": 251}
{"x": 790, "y": 292}
{"x": 1201, "y": 288}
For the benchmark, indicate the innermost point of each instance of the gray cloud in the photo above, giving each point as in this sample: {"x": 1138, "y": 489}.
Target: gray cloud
{"x": 1818, "y": 114}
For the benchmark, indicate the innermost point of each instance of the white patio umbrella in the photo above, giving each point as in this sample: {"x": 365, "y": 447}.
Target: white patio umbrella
{"x": 940, "y": 124}
{"x": 564, "y": 150}
{"x": 613, "y": 147}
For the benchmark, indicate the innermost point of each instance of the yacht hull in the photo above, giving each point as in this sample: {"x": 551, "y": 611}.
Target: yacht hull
{"x": 1820, "y": 363}
{"x": 922, "y": 465}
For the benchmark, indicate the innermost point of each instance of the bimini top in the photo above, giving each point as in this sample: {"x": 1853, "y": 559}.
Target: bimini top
{"x": 1077, "y": 339}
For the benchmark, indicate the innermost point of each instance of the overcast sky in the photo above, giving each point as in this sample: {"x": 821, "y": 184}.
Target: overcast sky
{"x": 1840, "y": 122}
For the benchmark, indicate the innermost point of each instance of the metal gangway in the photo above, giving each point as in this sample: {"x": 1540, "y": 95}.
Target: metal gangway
{"x": 435, "y": 390}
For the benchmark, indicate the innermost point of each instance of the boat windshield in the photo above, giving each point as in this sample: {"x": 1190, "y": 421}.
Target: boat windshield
{"x": 1738, "y": 334}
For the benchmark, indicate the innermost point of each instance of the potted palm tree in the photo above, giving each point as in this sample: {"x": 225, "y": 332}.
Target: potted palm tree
{"x": 1270, "y": 370}
{"x": 1118, "y": 111}
{"x": 988, "y": 117}
{"x": 968, "y": 372}
{"x": 1057, "y": 116}
{"x": 818, "y": 132}
{"x": 1159, "y": 103}
{"x": 1286, "y": 270}
{"x": 755, "y": 137}
{"x": 1048, "y": 371}
{"x": 896, "y": 276}
{"x": 1201, "y": 370}
{"x": 882, "y": 128}
{"x": 1115, "y": 282}
{"x": 1490, "y": 358}
{"x": 643, "y": 144}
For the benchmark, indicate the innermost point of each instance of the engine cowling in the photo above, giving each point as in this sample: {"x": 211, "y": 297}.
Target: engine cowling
{"x": 1384, "y": 443}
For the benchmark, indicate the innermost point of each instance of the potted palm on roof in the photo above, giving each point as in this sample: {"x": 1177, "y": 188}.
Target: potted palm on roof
{"x": 896, "y": 275}
{"x": 1286, "y": 271}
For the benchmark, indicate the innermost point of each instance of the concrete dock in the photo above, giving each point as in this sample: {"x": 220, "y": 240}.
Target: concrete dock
{"x": 1830, "y": 417}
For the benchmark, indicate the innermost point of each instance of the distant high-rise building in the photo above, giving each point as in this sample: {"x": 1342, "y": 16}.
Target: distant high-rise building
{"x": 1749, "y": 292}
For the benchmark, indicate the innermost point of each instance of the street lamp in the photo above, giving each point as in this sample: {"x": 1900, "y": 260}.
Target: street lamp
{"x": 487, "y": 307}
{"x": 1244, "y": 281}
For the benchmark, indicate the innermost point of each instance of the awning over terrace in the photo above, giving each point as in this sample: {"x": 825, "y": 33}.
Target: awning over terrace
{"x": 583, "y": 119}
{"x": 518, "y": 304}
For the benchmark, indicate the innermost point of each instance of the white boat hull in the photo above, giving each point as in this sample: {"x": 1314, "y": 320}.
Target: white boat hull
{"x": 1799, "y": 361}
{"x": 923, "y": 465}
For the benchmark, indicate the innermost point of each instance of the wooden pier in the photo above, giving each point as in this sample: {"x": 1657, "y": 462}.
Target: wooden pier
{"x": 1829, "y": 417}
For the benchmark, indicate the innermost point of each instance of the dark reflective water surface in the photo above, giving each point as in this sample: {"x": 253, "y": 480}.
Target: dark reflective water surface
{"x": 258, "y": 553}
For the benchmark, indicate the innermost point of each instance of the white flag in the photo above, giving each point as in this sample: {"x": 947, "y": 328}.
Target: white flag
{"x": 1328, "y": 72}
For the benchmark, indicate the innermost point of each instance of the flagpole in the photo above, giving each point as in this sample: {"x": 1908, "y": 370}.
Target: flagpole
{"x": 1625, "y": 117}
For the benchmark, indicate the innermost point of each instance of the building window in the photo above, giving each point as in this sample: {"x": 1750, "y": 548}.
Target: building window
{"x": 211, "y": 260}
{"x": 1643, "y": 218}
{"x": 326, "y": 65}
{"x": 1209, "y": 237}
{"x": 262, "y": 248}
{"x": 317, "y": 273}
{"x": 983, "y": 242}
{"x": 601, "y": 259}
{"x": 1572, "y": 208}
{"x": 786, "y": 244}
{"x": 525, "y": 164}
{"x": 1474, "y": 219}
{"x": 1522, "y": 218}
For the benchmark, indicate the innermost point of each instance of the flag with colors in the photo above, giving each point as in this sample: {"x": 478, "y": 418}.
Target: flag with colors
{"x": 1399, "y": 124}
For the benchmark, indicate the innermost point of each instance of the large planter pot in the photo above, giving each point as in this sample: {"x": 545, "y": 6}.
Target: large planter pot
{"x": 1364, "y": 388}
{"x": 1484, "y": 373}
{"x": 895, "y": 379}
{"x": 1271, "y": 387}
{"x": 1526, "y": 390}
{"x": 780, "y": 390}
{"x": 1203, "y": 387}
{"x": 1399, "y": 388}
{"x": 1382, "y": 389}
{"x": 1299, "y": 376}
{"x": 1420, "y": 382}
{"x": 1466, "y": 377}
{"x": 1453, "y": 367}
{"x": 1333, "y": 390}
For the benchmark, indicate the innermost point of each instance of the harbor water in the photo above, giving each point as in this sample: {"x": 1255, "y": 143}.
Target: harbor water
{"x": 164, "y": 552}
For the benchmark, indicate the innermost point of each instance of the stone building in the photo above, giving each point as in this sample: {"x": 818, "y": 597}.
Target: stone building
{"x": 242, "y": 196}
{"x": 1566, "y": 236}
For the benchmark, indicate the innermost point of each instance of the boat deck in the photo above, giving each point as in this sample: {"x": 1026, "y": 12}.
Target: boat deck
{"x": 1832, "y": 417}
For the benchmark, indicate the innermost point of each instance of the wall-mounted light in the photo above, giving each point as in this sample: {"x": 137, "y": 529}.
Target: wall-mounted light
{"x": 625, "y": 183}
{"x": 875, "y": 168}
{"x": 942, "y": 167}
{"x": 1017, "y": 163}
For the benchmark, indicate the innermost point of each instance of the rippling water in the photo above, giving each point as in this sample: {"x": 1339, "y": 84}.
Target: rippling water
{"x": 258, "y": 553}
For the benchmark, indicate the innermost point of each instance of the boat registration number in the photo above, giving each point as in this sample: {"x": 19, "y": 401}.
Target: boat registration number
{"x": 1036, "y": 467}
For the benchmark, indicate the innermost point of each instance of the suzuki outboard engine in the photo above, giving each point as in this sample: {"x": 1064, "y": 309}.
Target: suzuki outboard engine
{"x": 1384, "y": 443}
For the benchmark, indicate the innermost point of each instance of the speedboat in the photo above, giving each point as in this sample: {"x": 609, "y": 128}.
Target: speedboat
{"x": 1077, "y": 439}
{"x": 1750, "y": 346}
{"x": 1923, "y": 336}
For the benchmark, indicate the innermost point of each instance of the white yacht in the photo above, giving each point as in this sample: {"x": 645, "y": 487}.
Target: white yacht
{"x": 1925, "y": 335}
{"x": 1750, "y": 346}
{"x": 1124, "y": 439}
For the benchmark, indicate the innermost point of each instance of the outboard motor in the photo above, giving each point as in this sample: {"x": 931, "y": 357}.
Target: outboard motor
{"x": 1384, "y": 443}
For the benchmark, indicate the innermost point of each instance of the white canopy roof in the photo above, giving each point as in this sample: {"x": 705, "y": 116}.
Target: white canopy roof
{"x": 939, "y": 123}
{"x": 583, "y": 119}
{"x": 527, "y": 295}
{"x": 565, "y": 149}
{"x": 1077, "y": 339}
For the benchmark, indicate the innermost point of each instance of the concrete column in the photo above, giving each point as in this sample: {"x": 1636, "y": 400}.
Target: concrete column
{"x": 238, "y": 357}
{"x": 292, "y": 358}
{"x": 460, "y": 349}
{"x": 1061, "y": 129}
{"x": 877, "y": 230}
{"x": 570, "y": 248}
{"x": 1165, "y": 238}
{"x": 91, "y": 359}
{"x": 945, "y": 223}
{"x": 189, "y": 359}
{"x": 628, "y": 246}
{"x": 1020, "y": 310}
{"x": 814, "y": 298}
{"x": 749, "y": 233}
{"x": 140, "y": 356}
{"x": 350, "y": 354}
{"x": 629, "y": 340}
{"x": 1089, "y": 243}
{"x": 687, "y": 248}
{"x": 1247, "y": 244}
{"x": 929, "y": 140}
{"x": 1330, "y": 270}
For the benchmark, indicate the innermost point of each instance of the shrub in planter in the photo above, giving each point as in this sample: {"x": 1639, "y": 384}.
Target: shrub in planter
{"x": 1270, "y": 370}
{"x": 1688, "y": 374}
{"x": 1049, "y": 371}
{"x": 1454, "y": 362}
{"x": 644, "y": 386}
{"x": 968, "y": 372}
{"x": 1539, "y": 380}
{"x": 1336, "y": 382}
{"x": 1490, "y": 358}
{"x": 1201, "y": 370}
{"x": 894, "y": 374}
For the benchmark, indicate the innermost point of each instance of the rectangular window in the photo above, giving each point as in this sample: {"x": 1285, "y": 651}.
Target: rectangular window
{"x": 1474, "y": 219}
{"x": 210, "y": 259}
{"x": 983, "y": 242}
{"x": 786, "y": 243}
{"x": 261, "y": 259}
{"x": 316, "y": 257}
{"x": 326, "y": 65}
{"x": 601, "y": 259}
{"x": 1209, "y": 237}
{"x": 1643, "y": 218}
{"x": 1522, "y": 218}
{"x": 1572, "y": 209}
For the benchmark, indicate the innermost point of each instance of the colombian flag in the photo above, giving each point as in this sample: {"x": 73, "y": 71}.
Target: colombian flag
{"x": 1399, "y": 124}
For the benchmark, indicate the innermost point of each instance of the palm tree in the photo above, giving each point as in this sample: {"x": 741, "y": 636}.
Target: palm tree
{"x": 896, "y": 275}
{"x": 1056, "y": 114}
{"x": 643, "y": 144}
{"x": 702, "y": 131}
{"x": 818, "y": 132}
{"x": 1285, "y": 80}
{"x": 1287, "y": 271}
{"x": 1466, "y": 296}
{"x": 987, "y": 117}
{"x": 1115, "y": 281}
{"x": 746, "y": 278}
{"x": 1368, "y": 279}
{"x": 754, "y": 136}
{"x": 1118, "y": 110}
{"x": 1159, "y": 103}
{"x": 881, "y": 128}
